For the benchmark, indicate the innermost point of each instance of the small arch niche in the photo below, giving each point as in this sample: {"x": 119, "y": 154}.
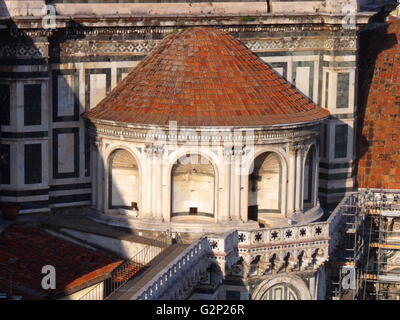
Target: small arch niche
{"x": 193, "y": 188}
{"x": 265, "y": 186}
{"x": 123, "y": 181}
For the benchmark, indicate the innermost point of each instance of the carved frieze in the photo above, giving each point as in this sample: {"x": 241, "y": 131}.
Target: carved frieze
{"x": 143, "y": 47}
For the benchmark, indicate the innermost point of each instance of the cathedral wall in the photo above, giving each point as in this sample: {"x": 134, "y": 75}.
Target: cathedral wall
{"x": 77, "y": 66}
{"x": 196, "y": 7}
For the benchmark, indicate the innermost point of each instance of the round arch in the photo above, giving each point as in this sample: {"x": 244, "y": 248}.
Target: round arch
{"x": 107, "y": 154}
{"x": 123, "y": 181}
{"x": 266, "y": 185}
{"x": 248, "y": 164}
{"x": 284, "y": 287}
{"x": 175, "y": 156}
{"x": 193, "y": 187}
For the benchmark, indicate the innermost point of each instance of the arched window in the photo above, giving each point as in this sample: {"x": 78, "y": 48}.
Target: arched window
{"x": 193, "y": 184}
{"x": 309, "y": 181}
{"x": 123, "y": 181}
{"x": 265, "y": 186}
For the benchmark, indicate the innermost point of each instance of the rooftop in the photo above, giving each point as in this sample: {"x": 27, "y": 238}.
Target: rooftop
{"x": 24, "y": 250}
{"x": 205, "y": 77}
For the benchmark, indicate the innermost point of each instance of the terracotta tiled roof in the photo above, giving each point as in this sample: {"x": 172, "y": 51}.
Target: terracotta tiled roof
{"x": 379, "y": 103}
{"x": 205, "y": 77}
{"x": 25, "y": 250}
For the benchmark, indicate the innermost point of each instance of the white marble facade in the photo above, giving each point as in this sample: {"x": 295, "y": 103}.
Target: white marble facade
{"x": 81, "y": 66}
{"x": 213, "y": 186}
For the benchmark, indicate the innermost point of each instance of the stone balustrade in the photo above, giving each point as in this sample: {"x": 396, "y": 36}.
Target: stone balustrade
{"x": 178, "y": 279}
{"x": 266, "y": 250}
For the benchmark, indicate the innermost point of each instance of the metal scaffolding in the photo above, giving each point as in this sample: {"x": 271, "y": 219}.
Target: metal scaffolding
{"x": 382, "y": 278}
{"x": 369, "y": 248}
{"x": 350, "y": 255}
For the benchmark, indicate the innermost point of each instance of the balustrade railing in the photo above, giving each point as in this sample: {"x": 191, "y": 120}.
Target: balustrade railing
{"x": 187, "y": 261}
{"x": 127, "y": 270}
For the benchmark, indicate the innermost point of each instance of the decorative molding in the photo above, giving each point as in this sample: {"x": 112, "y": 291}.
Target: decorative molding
{"x": 183, "y": 136}
{"x": 84, "y": 47}
{"x": 339, "y": 43}
{"x": 23, "y": 50}
{"x": 140, "y": 47}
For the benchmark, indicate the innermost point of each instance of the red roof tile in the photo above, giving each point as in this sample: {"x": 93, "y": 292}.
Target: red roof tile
{"x": 25, "y": 250}
{"x": 205, "y": 77}
{"x": 379, "y": 103}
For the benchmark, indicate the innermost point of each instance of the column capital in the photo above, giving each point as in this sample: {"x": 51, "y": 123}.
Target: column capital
{"x": 296, "y": 147}
{"x": 228, "y": 154}
{"x": 154, "y": 150}
{"x": 98, "y": 142}
{"x": 238, "y": 152}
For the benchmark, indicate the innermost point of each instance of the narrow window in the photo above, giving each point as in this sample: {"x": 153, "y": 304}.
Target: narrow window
{"x": 4, "y": 104}
{"x": 323, "y": 141}
{"x": 5, "y": 164}
{"x": 33, "y": 163}
{"x": 32, "y": 104}
{"x": 327, "y": 90}
{"x": 342, "y": 97}
{"x": 341, "y": 132}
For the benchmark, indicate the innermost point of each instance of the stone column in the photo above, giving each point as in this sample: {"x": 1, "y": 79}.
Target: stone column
{"x": 299, "y": 177}
{"x": 100, "y": 178}
{"x": 292, "y": 180}
{"x": 316, "y": 174}
{"x": 236, "y": 184}
{"x": 244, "y": 189}
{"x": 225, "y": 202}
{"x": 157, "y": 183}
{"x": 148, "y": 183}
{"x": 94, "y": 155}
{"x": 166, "y": 191}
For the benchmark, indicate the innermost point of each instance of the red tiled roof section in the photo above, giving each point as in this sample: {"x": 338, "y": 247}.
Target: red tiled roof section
{"x": 205, "y": 77}
{"x": 25, "y": 250}
{"x": 379, "y": 101}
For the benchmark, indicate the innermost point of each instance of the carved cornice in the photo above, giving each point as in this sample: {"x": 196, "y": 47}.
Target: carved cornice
{"x": 291, "y": 43}
{"x": 213, "y": 136}
{"x": 143, "y": 47}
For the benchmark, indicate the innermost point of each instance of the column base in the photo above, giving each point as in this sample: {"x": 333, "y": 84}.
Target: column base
{"x": 200, "y": 227}
{"x": 311, "y": 215}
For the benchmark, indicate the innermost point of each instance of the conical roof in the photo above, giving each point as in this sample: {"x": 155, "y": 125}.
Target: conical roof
{"x": 205, "y": 77}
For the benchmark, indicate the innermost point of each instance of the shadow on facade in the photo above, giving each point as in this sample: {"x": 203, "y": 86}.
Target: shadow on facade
{"x": 24, "y": 61}
{"x": 10, "y": 58}
{"x": 372, "y": 43}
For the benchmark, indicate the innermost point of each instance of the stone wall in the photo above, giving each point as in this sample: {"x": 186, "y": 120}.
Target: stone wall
{"x": 178, "y": 7}
{"x": 78, "y": 63}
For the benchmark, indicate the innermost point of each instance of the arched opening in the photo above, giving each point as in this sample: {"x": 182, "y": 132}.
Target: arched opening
{"x": 282, "y": 287}
{"x": 281, "y": 291}
{"x": 193, "y": 188}
{"x": 265, "y": 186}
{"x": 309, "y": 179}
{"x": 123, "y": 182}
